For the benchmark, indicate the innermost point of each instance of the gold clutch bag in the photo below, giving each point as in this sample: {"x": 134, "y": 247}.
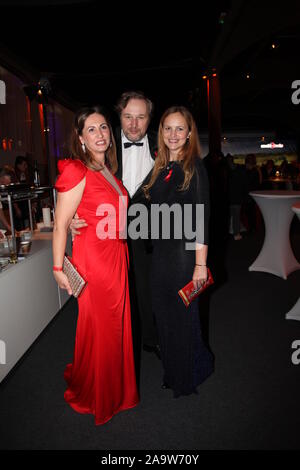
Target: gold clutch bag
{"x": 77, "y": 282}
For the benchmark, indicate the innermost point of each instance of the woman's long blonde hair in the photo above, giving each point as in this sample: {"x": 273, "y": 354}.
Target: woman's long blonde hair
{"x": 190, "y": 152}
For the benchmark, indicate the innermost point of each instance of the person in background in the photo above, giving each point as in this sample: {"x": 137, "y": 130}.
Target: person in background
{"x": 217, "y": 171}
{"x": 22, "y": 169}
{"x": 5, "y": 178}
{"x": 22, "y": 176}
{"x": 268, "y": 170}
{"x": 179, "y": 177}
{"x": 236, "y": 194}
{"x": 253, "y": 183}
{"x": 136, "y": 148}
{"x": 284, "y": 168}
{"x": 101, "y": 380}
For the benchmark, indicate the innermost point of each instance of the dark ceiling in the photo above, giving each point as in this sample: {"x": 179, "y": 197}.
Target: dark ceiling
{"x": 92, "y": 51}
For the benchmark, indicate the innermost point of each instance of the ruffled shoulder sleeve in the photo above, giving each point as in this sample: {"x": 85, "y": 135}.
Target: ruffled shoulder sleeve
{"x": 71, "y": 172}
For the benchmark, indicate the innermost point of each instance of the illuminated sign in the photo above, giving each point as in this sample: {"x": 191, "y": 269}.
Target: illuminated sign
{"x": 272, "y": 145}
{"x": 2, "y": 92}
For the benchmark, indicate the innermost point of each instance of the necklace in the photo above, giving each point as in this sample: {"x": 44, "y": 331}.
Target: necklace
{"x": 171, "y": 164}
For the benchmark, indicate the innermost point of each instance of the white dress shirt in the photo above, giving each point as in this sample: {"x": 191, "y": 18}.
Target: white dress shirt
{"x": 136, "y": 162}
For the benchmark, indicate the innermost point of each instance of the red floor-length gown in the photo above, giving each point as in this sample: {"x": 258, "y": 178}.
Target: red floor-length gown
{"x": 101, "y": 380}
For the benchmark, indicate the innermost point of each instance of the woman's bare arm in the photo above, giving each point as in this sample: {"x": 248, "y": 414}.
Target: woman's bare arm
{"x": 67, "y": 204}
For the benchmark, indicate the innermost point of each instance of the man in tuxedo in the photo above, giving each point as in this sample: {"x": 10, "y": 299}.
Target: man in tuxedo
{"x": 136, "y": 147}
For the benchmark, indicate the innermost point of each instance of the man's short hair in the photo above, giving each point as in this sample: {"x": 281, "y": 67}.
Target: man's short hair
{"x": 137, "y": 95}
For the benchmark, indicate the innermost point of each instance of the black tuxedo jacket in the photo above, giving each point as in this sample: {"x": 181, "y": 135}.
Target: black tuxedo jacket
{"x": 152, "y": 139}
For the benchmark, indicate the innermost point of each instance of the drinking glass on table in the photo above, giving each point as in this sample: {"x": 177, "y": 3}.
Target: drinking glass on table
{"x": 12, "y": 245}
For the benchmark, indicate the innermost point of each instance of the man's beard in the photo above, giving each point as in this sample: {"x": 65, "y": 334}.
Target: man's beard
{"x": 133, "y": 138}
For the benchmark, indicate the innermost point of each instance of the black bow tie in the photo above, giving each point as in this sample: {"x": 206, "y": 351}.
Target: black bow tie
{"x": 129, "y": 144}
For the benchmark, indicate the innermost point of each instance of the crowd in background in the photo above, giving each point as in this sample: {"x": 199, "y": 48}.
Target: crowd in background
{"x": 234, "y": 209}
{"x": 231, "y": 183}
{"x": 21, "y": 172}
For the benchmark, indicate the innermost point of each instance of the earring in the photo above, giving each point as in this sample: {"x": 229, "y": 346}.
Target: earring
{"x": 83, "y": 147}
{"x": 110, "y": 144}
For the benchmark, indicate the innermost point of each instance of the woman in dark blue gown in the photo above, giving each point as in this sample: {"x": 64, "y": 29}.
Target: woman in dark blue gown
{"x": 179, "y": 178}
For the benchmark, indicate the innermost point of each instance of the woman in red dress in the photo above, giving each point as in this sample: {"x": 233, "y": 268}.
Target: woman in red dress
{"x": 101, "y": 380}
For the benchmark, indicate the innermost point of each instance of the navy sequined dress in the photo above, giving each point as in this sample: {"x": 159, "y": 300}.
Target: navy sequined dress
{"x": 186, "y": 360}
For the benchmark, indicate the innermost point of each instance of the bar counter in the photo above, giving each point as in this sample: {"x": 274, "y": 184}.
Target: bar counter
{"x": 29, "y": 300}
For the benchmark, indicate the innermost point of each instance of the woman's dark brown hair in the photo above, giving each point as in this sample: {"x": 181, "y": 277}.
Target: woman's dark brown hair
{"x": 190, "y": 152}
{"x": 76, "y": 148}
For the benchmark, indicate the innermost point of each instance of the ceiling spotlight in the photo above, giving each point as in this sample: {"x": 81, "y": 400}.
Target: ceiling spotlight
{"x": 248, "y": 75}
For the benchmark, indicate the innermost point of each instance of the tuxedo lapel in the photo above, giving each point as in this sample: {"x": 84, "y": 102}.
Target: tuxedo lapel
{"x": 152, "y": 140}
{"x": 138, "y": 196}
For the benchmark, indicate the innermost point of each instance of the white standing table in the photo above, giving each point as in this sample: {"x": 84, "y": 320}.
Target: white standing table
{"x": 276, "y": 256}
{"x": 294, "y": 313}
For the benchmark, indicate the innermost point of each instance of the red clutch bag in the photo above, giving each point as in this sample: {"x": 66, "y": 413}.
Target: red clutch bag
{"x": 189, "y": 293}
